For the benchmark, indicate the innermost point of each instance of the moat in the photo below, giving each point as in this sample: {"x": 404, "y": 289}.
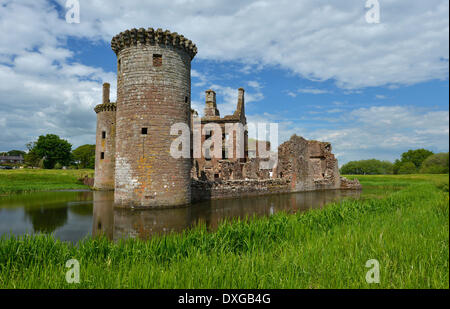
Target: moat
{"x": 73, "y": 215}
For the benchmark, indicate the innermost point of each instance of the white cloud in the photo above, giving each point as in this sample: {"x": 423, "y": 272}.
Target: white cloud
{"x": 202, "y": 78}
{"x": 290, "y": 93}
{"x": 381, "y": 132}
{"x": 319, "y": 40}
{"x": 312, "y": 91}
{"x": 254, "y": 84}
{"x": 43, "y": 89}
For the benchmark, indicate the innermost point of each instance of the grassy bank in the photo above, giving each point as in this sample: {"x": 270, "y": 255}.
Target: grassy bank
{"x": 407, "y": 231}
{"x": 29, "y": 180}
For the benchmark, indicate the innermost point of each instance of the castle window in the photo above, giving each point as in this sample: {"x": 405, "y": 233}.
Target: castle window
{"x": 186, "y": 99}
{"x": 119, "y": 65}
{"x": 102, "y": 155}
{"x": 216, "y": 176}
{"x": 144, "y": 131}
{"x": 157, "y": 60}
{"x": 103, "y": 134}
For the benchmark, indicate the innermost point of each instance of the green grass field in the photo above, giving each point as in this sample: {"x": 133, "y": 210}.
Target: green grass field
{"x": 403, "y": 223}
{"x": 28, "y": 180}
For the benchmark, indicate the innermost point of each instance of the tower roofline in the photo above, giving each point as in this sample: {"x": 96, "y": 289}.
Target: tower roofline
{"x": 151, "y": 37}
{"x": 106, "y": 107}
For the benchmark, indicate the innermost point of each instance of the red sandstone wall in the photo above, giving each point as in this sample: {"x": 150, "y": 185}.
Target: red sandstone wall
{"x": 206, "y": 190}
{"x": 104, "y": 168}
{"x": 152, "y": 97}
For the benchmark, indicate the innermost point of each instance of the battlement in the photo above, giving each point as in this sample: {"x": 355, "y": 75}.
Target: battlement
{"x": 106, "y": 107}
{"x": 152, "y": 37}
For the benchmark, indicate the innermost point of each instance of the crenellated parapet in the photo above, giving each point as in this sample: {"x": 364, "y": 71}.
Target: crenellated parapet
{"x": 150, "y": 36}
{"x": 106, "y": 107}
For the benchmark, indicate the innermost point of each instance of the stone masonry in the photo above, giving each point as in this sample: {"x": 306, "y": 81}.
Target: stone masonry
{"x": 133, "y": 135}
{"x": 106, "y": 142}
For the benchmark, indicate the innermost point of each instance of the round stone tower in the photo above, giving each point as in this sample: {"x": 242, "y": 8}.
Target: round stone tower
{"x": 153, "y": 93}
{"x": 105, "y": 142}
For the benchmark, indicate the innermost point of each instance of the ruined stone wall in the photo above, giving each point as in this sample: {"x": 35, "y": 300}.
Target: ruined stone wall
{"x": 206, "y": 190}
{"x": 153, "y": 93}
{"x": 293, "y": 163}
{"x": 228, "y": 164}
{"x": 105, "y": 143}
{"x": 309, "y": 164}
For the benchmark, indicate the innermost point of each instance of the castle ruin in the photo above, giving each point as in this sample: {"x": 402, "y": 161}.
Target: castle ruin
{"x": 133, "y": 137}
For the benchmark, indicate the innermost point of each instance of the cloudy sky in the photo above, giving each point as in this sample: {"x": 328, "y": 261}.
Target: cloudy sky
{"x": 316, "y": 67}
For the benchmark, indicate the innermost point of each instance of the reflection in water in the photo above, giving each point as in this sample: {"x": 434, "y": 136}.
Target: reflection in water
{"x": 117, "y": 223}
{"x": 46, "y": 220}
{"x": 73, "y": 215}
{"x": 67, "y": 214}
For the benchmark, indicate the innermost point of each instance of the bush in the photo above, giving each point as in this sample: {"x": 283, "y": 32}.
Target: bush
{"x": 436, "y": 164}
{"x": 416, "y": 156}
{"x": 407, "y": 168}
{"x": 58, "y": 166}
{"x": 367, "y": 167}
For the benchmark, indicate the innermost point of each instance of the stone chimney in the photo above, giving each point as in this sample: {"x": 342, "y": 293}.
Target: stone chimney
{"x": 240, "y": 109}
{"x": 106, "y": 88}
{"x": 211, "y": 106}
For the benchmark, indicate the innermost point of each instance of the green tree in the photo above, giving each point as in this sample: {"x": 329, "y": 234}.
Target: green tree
{"x": 396, "y": 166}
{"x": 407, "y": 168}
{"x": 367, "y": 167}
{"x": 84, "y": 156}
{"x": 436, "y": 164}
{"x": 16, "y": 153}
{"x": 31, "y": 157}
{"x": 416, "y": 156}
{"x": 53, "y": 150}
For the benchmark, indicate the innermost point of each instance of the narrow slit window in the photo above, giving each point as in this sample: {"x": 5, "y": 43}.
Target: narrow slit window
{"x": 102, "y": 155}
{"x": 186, "y": 99}
{"x": 144, "y": 131}
{"x": 119, "y": 65}
{"x": 103, "y": 134}
{"x": 157, "y": 60}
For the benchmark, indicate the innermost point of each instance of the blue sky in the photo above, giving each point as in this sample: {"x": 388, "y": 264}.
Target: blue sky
{"x": 317, "y": 68}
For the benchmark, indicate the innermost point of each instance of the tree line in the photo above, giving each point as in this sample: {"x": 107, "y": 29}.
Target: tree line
{"x": 411, "y": 162}
{"x": 52, "y": 152}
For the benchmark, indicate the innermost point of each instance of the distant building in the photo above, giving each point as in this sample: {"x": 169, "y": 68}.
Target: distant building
{"x": 12, "y": 159}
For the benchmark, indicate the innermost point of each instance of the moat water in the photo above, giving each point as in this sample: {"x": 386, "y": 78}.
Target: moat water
{"x": 74, "y": 215}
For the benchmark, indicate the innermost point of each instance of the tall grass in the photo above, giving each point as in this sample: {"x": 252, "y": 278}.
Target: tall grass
{"x": 406, "y": 231}
{"x": 28, "y": 180}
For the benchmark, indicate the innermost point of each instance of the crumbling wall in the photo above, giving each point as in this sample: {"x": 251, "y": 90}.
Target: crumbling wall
{"x": 293, "y": 164}
{"x": 310, "y": 165}
{"x": 207, "y": 190}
